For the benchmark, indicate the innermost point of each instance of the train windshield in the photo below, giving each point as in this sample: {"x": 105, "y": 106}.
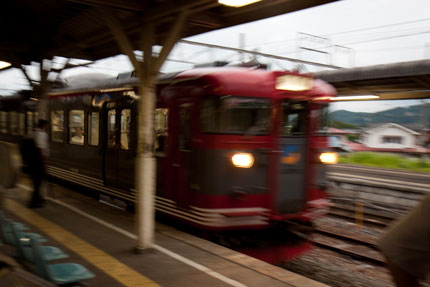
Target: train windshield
{"x": 235, "y": 115}
{"x": 323, "y": 120}
{"x": 320, "y": 119}
{"x": 294, "y": 118}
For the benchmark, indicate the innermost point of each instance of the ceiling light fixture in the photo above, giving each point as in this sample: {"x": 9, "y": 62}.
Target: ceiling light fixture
{"x": 237, "y": 3}
{"x": 4, "y": 65}
{"x": 355, "y": 98}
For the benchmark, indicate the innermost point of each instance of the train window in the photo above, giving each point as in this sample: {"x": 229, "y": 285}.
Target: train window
{"x": 111, "y": 128}
{"x": 235, "y": 115}
{"x": 3, "y": 122}
{"x": 161, "y": 121}
{"x": 57, "y": 125}
{"x": 93, "y": 128}
{"x": 13, "y": 116}
{"x": 21, "y": 124}
{"x": 125, "y": 129}
{"x": 30, "y": 122}
{"x": 324, "y": 121}
{"x": 294, "y": 120}
{"x": 320, "y": 118}
{"x": 161, "y": 116}
{"x": 76, "y": 127}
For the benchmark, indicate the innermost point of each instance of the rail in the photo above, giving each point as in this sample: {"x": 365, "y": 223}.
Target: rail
{"x": 398, "y": 185}
{"x": 363, "y": 250}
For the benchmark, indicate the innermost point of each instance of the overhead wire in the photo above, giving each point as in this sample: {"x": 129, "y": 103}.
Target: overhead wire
{"x": 377, "y": 27}
{"x": 348, "y": 37}
{"x": 363, "y": 38}
{"x": 352, "y": 38}
{"x": 366, "y": 36}
{"x": 393, "y": 48}
{"x": 387, "y": 38}
{"x": 343, "y": 32}
{"x": 358, "y": 39}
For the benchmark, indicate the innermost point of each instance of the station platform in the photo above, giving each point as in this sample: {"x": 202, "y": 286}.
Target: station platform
{"x": 101, "y": 238}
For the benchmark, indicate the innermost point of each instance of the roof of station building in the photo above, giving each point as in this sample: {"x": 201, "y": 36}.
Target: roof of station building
{"x": 403, "y": 80}
{"x": 36, "y": 30}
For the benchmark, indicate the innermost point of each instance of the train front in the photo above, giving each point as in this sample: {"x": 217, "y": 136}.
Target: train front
{"x": 257, "y": 160}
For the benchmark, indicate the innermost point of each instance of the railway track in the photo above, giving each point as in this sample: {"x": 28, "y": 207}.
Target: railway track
{"x": 372, "y": 197}
{"x": 362, "y": 249}
{"x": 416, "y": 182}
{"x": 386, "y": 190}
{"x": 370, "y": 217}
{"x": 359, "y": 247}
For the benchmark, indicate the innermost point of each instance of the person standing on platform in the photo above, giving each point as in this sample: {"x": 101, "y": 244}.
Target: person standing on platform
{"x": 40, "y": 157}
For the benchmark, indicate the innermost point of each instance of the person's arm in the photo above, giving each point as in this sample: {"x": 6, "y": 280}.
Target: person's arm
{"x": 401, "y": 277}
{"x": 406, "y": 246}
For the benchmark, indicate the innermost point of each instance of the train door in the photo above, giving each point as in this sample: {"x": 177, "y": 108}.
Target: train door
{"x": 118, "y": 145}
{"x": 110, "y": 162}
{"x": 126, "y": 154}
{"x": 181, "y": 157}
{"x": 293, "y": 142}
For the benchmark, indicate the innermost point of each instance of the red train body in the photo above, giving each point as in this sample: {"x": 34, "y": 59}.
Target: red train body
{"x": 238, "y": 150}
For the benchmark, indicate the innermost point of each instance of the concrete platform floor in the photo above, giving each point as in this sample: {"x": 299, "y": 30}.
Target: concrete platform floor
{"x": 101, "y": 238}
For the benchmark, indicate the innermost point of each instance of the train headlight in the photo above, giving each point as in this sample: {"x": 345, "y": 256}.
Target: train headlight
{"x": 245, "y": 160}
{"x": 329, "y": 157}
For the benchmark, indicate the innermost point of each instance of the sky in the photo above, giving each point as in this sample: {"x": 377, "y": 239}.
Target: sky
{"x": 350, "y": 33}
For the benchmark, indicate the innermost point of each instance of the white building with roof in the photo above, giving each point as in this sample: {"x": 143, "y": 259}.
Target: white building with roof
{"x": 390, "y": 136}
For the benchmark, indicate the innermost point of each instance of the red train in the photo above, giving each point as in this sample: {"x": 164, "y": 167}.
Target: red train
{"x": 240, "y": 152}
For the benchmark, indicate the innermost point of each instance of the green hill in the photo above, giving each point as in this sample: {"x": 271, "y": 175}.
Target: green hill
{"x": 411, "y": 117}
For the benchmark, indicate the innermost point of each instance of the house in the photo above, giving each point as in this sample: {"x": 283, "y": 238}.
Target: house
{"x": 337, "y": 139}
{"x": 390, "y": 136}
{"x": 339, "y": 134}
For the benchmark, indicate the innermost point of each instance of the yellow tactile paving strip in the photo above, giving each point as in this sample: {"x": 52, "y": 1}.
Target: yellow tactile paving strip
{"x": 103, "y": 261}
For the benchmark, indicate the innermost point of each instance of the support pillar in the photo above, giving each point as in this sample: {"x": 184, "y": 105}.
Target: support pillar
{"x": 45, "y": 66}
{"x": 145, "y": 164}
{"x": 145, "y": 175}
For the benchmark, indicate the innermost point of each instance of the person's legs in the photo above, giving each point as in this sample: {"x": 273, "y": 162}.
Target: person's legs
{"x": 36, "y": 200}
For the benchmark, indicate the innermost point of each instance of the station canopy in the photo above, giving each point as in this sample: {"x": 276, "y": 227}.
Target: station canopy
{"x": 36, "y": 30}
{"x": 395, "y": 81}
